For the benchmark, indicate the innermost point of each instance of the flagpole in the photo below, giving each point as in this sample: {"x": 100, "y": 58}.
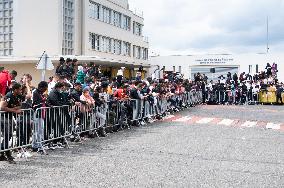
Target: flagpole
{"x": 267, "y": 35}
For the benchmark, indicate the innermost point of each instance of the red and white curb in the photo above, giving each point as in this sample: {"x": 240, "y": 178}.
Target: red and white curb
{"x": 224, "y": 122}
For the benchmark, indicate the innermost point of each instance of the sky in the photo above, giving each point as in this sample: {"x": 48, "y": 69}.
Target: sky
{"x": 184, "y": 27}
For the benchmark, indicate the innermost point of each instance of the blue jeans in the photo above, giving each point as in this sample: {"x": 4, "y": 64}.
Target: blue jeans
{"x": 38, "y": 133}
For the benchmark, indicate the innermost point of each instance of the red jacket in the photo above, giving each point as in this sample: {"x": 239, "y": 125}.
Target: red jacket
{"x": 5, "y": 78}
{"x": 119, "y": 93}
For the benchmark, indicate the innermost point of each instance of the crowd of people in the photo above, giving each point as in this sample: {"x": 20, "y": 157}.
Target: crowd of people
{"x": 84, "y": 86}
{"x": 241, "y": 89}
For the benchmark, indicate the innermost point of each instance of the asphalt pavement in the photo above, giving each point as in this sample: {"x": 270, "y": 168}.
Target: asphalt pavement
{"x": 205, "y": 146}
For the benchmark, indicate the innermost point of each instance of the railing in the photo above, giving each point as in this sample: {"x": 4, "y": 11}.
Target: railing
{"x": 233, "y": 97}
{"x": 55, "y": 124}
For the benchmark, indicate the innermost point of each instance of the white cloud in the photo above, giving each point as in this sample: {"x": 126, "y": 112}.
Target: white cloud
{"x": 212, "y": 26}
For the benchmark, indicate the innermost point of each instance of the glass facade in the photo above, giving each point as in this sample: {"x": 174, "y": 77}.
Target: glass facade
{"x": 68, "y": 27}
{"x": 108, "y": 15}
{"x": 6, "y": 27}
{"x": 109, "y": 45}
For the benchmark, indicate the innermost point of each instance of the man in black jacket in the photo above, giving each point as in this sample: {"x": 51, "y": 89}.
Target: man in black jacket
{"x": 56, "y": 100}
{"x": 93, "y": 71}
{"x": 244, "y": 93}
{"x": 56, "y": 97}
{"x": 100, "y": 102}
{"x": 279, "y": 92}
{"x": 11, "y": 105}
{"x": 76, "y": 92}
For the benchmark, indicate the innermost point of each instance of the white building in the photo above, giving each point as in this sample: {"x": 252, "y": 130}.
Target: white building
{"x": 222, "y": 64}
{"x": 103, "y": 31}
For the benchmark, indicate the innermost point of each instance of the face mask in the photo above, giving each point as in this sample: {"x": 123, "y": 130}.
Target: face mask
{"x": 60, "y": 91}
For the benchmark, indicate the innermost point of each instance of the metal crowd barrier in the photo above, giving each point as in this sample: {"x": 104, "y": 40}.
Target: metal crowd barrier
{"x": 52, "y": 124}
{"x": 228, "y": 97}
{"x": 16, "y": 129}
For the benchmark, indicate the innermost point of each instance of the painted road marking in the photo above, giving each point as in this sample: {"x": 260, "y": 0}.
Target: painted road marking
{"x": 226, "y": 122}
{"x": 205, "y": 120}
{"x": 273, "y": 126}
{"x": 249, "y": 124}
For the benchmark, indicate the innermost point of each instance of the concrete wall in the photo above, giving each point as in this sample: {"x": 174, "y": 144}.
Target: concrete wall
{"x": 38, "y": 26}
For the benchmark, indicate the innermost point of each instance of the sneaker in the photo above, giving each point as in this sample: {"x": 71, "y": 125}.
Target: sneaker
{"x": 19, "y": 155}
{"x": 151, "y": 121}
{"x": 34, "y": 149}
{"x": 120, "y": 128}
{"x": 103, "y": 133}
{"x": 3, "y": 158}
{"x": 10, "y": 160}
{"x": 28, "y": 154}
{"x": 42, "y": 152}
{"x": 59, "y": 147}
{"x": 92, "y": 135}
{"x": 9, "y": 155}
{"x": 77, "y": 139}
{"x": 51, "y": 147}
{"x": 72, "y": 138}
{"x": 143, "y": 123}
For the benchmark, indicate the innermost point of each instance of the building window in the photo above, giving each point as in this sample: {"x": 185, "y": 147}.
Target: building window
{"x": 134, "y": 51}
{"x": 250, "y": 68}
{"x": 114, "y": 47}
{"x": 139, "y": 53}
{"x": 110, "y": 16}
{"x": 116, "y": 19}
{"x": 137, "y": 28}
{"x": 95, "y": 41}
{"x": 6, "y": 27}
{"x": 110, "y": 45}
{"x": 145, "y": 53}
{"x": 126, "y": 47}
{"x": 126, "y": 22}
{"x": 94, "y": 10}
{"x": 68, "y": 27}
{"x": 106, "y": 15}
{"x": 117, "y": 47}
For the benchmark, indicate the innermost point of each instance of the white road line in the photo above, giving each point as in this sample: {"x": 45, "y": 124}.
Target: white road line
{"x": 273, "y": 126}
{"x": 249, "y": 124}
{"x": 205, "y": 120}
{"x": 183, "y": 119}
{"x": 226, "y": 122}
